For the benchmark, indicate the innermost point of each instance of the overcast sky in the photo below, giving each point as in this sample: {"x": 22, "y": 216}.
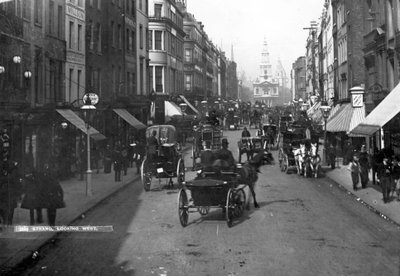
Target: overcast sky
{"x": 245, "y": 24}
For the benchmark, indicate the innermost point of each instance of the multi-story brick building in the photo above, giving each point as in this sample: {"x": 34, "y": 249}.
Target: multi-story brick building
{"x": 299, "y": 78}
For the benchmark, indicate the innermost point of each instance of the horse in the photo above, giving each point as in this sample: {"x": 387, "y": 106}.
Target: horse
{"x": 300, "y": 155}
{"x": 314, "y": 160}
{"x": 249, "y": 171}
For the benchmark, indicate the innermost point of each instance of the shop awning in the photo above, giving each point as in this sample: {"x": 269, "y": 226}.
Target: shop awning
{"x": 171, "y": 109}
{"x": 129, "y": 118}
{"x": 388, "y": 108}
{"x": 77, "y": 121}
{"x": 345, "y": 118}
{"x": 189, "y": 104}
{"x": 313, "y": 109}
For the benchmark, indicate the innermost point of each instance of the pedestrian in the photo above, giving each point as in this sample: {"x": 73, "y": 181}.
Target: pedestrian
{"x": 331, "y": 152}
{"x": 125, "y": 159}
{"x": 10, "y": 189}
{"x": 32, "y": 198}
{"x": 364, "y": 166}
{"x": 245, "y": 132}
{"x": 51, "y": 193}
{"x": 354, "y": 169}
{"x": 95, "y": 158}
{"x": 348, "y": 153}
{"x": 118, "y": 162}
{"x": 384, "y": 172}
{"x": 396, "y": 176}
{"x": 107, "y": 159}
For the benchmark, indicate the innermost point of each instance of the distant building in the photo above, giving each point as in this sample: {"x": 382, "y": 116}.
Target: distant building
{"x": 299, "y": 78}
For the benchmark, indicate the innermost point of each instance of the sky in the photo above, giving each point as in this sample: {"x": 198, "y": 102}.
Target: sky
{"x": 245, "y": 25}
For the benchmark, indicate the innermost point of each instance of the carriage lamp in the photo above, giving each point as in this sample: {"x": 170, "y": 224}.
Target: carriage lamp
{"x": 27, "y": 74}
{"x": 17, "y": 59}
{"x": 2, "y": 69}
{"x": 64, "y": 125}
{"x": 325, "y": 113}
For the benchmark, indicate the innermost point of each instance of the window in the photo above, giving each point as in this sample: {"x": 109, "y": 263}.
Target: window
{"x": 159, "y": 78}
{"x": 98, "y": 37}
{"x": 71, "y": 75}
{"x": 119, "y": 36}
{"x": 133, "y": 8}
{"x": 158, "y": 40}
{"x": 173, "y": 44}
{"x": 150, "y": 39}
{"x": 80, "y": 3}
{"x": 38, "y": 11}
{"x": 80, "y": 37}
{"x": 141, "y": 77}
{"x": 141, "y": 36}
{"x": 51, "y": 17}
{"x": 71, "y": 34}
{"x": 78, "y": 83}
{"x": 112, "y": 34}
{"x": 134, "y": 92}
{"x": 26, "y": 11}
{"x": 133, "y": 41}
{"x": 151, "y": 84}
{"x": 141, "y": 5}
{"x": 188, "y": 55}
{"x": 91, "y": 32}
{"x": 99, "y": 4}
{"x": 128, "y": 39}
{"x": 188, "y": 82}
{"x": 60, "y": 23}
{"x": 157, "y": 10}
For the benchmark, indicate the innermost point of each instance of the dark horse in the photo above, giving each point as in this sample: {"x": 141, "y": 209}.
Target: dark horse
{"x": 248, "y": 172}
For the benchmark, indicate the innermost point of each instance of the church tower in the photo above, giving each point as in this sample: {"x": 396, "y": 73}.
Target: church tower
{"x": 265, "y": 66}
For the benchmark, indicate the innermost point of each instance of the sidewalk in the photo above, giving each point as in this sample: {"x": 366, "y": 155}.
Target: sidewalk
{"x": 371, "y": 196}
{"x": 15, "y": 247}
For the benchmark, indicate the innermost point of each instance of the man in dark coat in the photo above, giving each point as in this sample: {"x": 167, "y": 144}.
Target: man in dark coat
{"x": 245, "y": 132}
{"x": 118, "y": 162}
{"x": 32, "y": 198}
{"x": 152, "y": 145}
{"x": 10, "y": 190}
{"x": 384, "y": 171}
{"x": 51, "y": 193}
{"x": 207, "y": 157}
{"x": 225, "y": 156}
{"x": 364, "y": 166}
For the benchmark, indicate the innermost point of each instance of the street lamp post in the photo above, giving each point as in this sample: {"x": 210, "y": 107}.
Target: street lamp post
{"x": 87, "y": 109}
{"x": 325, "y": 112}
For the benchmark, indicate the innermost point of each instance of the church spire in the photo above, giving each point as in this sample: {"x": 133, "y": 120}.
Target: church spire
{"x": 265, "y": 66}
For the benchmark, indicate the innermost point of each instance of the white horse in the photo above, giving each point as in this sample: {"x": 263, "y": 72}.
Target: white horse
{"x": 315, "y": 160}
{"x": 299, "y": 156}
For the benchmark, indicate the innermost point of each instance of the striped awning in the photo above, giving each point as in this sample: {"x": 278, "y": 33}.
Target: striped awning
{"x": 129, "y": 118}
{"x": 313, "y": 109}
{"x": 189, "y": 104}
{"x": 79, "y": 123}
{"x": 388, "y": 108}
{"x": 346, "y": 118}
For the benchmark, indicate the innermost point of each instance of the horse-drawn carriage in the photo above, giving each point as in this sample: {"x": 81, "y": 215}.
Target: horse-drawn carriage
{"x": 215, "y": 187}
{"x": 289, "y": 141}
{"x": 205, "y": 134}
{"x": 299, "y": 152}
{"x": 167, "y": 161}
{"x": 232, "y": 119}
{"x": 270, "y": 136}
{"x": 250, "y": 146}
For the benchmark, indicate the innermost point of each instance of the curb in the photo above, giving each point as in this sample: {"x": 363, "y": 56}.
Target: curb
{"x": 359, "y": 199}
{"x": 15, "y": 267}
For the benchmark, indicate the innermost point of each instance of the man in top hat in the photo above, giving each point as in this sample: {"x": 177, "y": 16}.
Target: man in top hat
{"x": 225, "y": 156}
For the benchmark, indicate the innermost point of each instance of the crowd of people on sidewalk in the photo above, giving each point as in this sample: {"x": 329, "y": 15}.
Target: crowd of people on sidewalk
{"x": 385, "y": 166}
{"x": 40, "y": 188}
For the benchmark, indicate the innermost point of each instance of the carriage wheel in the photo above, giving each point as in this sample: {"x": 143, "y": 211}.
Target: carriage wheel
{"x": 193, "y": 155}
{"x": 203, "y": 210}
{"x": 286, "y": 165}
{"x": 240, "y": 202}
{"x": 229, "y": 208}
{"x": 183, "y": 209}
{"x": 145, "y": 174}
{"x": 180, "y": 172}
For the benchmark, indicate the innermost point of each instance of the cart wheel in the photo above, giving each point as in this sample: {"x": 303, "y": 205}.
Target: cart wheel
{"x": 286, "y": 165}
{"x": 145, "y": 175}
{"x": 240, "y": 202}
{"x": 180, "y": 172}
{"x": 183, "y": 209}
{"x": 230, "y": 207}
{"x": 193, "y": 155}
{"x": 203, "y": 210}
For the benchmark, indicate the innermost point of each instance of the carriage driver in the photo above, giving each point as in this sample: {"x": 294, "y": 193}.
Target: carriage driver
{"x": 152, "y": 145}
{"x": 224, "y": 157}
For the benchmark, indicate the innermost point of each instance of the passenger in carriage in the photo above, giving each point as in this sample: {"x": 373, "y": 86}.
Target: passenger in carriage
{"x": 224, "y": 157}
{"x": 245, "y": 132}
{"x": 152, "y": 145}
{"x": 207, "y": 157}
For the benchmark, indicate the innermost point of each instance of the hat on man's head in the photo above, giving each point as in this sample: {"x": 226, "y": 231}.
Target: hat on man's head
{"x": 225, "y": 141}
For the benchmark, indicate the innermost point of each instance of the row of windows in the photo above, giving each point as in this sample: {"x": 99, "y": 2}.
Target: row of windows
{"x": 157, "y": 76}
{"x": 342, "y": 50}
{"x": 165, "y": 41}
{"x": 171, "y": 14}
{"x": 75, "y": 36}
